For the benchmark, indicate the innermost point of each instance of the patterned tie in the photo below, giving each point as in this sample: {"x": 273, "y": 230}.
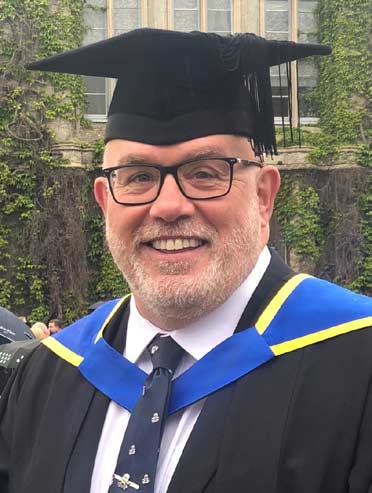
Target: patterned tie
{"x": 136, "y": 466}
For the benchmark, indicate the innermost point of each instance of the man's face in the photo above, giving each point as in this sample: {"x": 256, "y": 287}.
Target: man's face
{"x": 53, "y": 328}
{"x": 217, "y": 241}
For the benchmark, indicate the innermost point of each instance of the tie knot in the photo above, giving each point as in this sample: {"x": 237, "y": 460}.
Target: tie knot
{"x": 165, "y": 353}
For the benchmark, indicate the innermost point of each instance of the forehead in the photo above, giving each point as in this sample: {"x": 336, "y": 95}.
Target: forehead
{"x": 121, "y": 151}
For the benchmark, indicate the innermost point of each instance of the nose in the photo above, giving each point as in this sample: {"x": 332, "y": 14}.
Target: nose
{"x": 171, "y": 203}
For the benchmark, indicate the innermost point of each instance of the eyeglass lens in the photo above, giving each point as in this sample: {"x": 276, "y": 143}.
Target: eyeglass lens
{"x": 198, "y": 180}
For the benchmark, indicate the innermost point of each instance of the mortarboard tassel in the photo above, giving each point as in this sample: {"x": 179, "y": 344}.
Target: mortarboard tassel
{"x": 239, "y": 52}
{"x": 281, "y": 105}
{"x": 289, "y": 93}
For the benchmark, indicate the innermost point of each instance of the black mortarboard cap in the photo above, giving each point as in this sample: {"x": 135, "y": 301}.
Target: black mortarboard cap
{"x": 174, "y": 86}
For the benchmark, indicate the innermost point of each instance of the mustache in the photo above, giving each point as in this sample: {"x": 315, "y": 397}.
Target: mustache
{"x": 182, "y": 228}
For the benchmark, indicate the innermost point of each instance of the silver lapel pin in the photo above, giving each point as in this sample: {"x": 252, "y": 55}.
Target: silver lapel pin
{"x": 124, "y": 482}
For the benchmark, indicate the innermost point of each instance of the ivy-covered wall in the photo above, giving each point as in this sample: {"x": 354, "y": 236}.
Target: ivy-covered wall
{"x": 344, "y": 92}
{"x": 53, "y": 260}
{"x": 322, "y": 222}
{"x": 327, "y": 223}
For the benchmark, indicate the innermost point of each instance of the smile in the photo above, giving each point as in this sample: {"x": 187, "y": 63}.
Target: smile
{"x": 172, "y": 244}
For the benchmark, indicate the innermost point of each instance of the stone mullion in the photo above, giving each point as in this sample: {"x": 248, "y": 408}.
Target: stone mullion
{"x": 294, "y": 37}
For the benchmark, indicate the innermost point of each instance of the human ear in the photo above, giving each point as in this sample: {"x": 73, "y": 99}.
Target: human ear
{"x": 268, "y": 183}
{"x": 101, "y": 193}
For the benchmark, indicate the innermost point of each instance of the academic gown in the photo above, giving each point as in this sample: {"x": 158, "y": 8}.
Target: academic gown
{"x": 301, "y": 423}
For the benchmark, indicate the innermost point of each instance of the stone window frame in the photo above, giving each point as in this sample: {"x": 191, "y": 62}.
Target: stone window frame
{"x": 153, "y": 13}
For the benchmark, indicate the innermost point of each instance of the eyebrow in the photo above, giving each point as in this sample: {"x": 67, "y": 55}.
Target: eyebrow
{"x": 192, "y": 154}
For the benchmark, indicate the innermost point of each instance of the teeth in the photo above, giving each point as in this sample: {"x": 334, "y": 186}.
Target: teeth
{"x": 176, "y": 244}
{"x": 170, "y": 245}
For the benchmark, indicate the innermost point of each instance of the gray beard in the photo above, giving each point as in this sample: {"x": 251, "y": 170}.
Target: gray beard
{"x": 176, "y": 296}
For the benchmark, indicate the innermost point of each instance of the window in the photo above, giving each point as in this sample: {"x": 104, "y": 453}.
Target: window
{"x": 307, "y": 69}
{"x": 277, "y": 26}
{"x": 186, "y": 15}
{"x": 205, "y": 15}
{"x": 277, "y": 19}
{"x": 219, "y": 16}
{"x": 125, "y": 16}
{"x": 106, "y": 18}
{"x": 95, "y": 18}
{"x": 293, "y": 20}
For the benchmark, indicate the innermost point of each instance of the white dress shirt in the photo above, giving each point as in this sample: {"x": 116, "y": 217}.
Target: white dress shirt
{"x": 197, "y": 339}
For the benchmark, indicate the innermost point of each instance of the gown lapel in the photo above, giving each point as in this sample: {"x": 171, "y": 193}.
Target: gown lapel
{"x": 198, "y": 464}
{"x": 80, "y": 466}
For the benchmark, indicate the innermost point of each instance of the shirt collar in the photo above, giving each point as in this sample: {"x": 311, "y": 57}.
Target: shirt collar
{"x": 199, "y": 337}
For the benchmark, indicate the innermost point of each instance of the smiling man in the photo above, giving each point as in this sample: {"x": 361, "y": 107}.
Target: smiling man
{"x": 224, "y": 371}
{"x": 182, "y": 252}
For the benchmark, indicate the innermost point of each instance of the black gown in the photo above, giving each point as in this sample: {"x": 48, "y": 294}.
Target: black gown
{"x": 301, "y": 423}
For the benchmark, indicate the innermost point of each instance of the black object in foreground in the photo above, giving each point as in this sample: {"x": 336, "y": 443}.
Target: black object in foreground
{"x": 12, "y": 329}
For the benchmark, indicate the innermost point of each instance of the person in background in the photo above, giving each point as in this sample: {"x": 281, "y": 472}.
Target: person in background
{"x": 40, "y": 330}
{"x": 54, "y": 326}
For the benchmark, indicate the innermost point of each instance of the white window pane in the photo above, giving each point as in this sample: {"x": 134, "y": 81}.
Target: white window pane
{"x": 186, "y": 4}
{"x": 96, "y": 104}
{"x": 186, "y": 20}
{"x": 219, "y": 4}
{"x": 219, "y": 20}
{"x": 126, "y": 4}
{"x": 280, "y": 104}
{"x": 95, "y": 87}
{"x": 95, "y": 84}
{"x": 276, "y": 5}
{"x": 276, "y": 21}
{"x": 280, "y": 36}
{"x": 307, "y": 80}
{"x": 307, "y": 21}
{"x": 307, "y": 73}
{"x": 125, "y": 20}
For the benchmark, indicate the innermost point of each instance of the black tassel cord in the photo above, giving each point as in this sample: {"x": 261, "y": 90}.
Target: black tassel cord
{"x": 239, "y": 53}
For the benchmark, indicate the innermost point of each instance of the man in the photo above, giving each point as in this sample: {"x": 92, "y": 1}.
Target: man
{"x": 272, "y": 393}
{"x": 54, "y": 325}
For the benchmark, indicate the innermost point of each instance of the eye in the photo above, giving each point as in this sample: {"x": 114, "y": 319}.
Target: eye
{"x": 135, "y": 175}
{"x": 211, "y": 169}
{"x": 141, "y": 178}
{"x": 203, "y": 174}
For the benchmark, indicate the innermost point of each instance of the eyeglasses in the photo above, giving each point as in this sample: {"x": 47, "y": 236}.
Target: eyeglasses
{"x": 199, "y": 179}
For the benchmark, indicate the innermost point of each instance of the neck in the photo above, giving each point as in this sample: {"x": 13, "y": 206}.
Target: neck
{"x": 169, "y": 321}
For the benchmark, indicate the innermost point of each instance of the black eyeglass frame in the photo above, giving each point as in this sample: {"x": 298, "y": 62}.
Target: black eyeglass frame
{"x": 172, "y": 170}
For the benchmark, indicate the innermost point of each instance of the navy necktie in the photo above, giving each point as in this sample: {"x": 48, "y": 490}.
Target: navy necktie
{"x": 136, "y": 466}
